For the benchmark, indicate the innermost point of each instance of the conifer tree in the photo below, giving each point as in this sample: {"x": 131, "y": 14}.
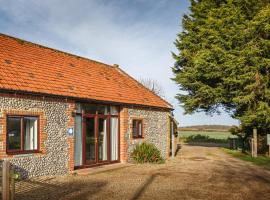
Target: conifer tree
{"x": 223, "y": 60}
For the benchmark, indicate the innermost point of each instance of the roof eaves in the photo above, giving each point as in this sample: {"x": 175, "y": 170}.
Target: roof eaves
{"x": 142, "y": 86}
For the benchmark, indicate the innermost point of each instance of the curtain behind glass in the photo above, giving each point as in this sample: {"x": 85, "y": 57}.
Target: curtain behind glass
{"x": 114, "y": 138}
{"x": 78, "y": 140}
{"x": 30, "y": 133}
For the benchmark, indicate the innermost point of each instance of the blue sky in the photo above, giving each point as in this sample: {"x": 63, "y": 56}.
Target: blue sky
{"x": 136, "y": 34}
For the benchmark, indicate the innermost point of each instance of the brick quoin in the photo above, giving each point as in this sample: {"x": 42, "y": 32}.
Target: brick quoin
{"x": 70, "y": 139}
{"x": 123, "y": 131}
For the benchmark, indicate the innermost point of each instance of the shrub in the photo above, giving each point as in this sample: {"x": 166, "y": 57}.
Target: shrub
{"x": 146, "y": 153}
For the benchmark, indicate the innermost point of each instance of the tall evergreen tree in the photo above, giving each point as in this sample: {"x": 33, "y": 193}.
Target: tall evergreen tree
{"x": 224, "y": 60}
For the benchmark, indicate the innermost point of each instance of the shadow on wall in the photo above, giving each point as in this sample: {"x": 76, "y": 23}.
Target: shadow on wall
{"x": 48, "y": 188}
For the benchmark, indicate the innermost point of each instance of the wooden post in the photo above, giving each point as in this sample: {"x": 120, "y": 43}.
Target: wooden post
{"x": 252, "y": 147}
{"x": 268, "y": 143}
{"x": 12, "y": 184}
{"x": 173, "y": 139}
{"x": 255, "y": 142}
{"x": 5, "y": 180}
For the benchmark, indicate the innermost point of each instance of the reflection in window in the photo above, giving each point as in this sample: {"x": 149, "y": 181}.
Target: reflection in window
{"x": 95, "y": 109}
{"x": 137, "y": 128}
{"x": 14, "y": 133}
{"x": 22, "y": 133}
{"x": 114, "y": 110}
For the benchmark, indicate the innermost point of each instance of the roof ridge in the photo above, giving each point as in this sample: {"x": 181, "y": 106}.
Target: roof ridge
{"x": 55, "y": 50}
{"x": 141, "y": 85}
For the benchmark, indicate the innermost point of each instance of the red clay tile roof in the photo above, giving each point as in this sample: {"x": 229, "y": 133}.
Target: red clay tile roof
{"x": 29, "y": 67}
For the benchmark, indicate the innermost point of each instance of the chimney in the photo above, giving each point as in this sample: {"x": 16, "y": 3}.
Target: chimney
{"x": 116, "y": 65}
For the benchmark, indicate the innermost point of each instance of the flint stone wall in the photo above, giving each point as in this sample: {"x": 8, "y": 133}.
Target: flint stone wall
{"x": 55, "y": 159}
{"x": 155, "y": 130}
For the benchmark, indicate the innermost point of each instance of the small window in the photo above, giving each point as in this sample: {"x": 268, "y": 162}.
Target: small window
{"x": 22, "y": 134}
{"x": 137, "y": 128}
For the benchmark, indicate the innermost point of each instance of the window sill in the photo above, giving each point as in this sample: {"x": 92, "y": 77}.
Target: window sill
{"x": 137, "y": 138}
{"x": 22, "y": 152}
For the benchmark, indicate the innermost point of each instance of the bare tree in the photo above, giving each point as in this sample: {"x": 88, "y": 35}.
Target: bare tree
{"x": 152, "y": 85}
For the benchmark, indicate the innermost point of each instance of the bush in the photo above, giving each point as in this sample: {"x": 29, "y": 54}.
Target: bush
{"x": 146, "y": 153}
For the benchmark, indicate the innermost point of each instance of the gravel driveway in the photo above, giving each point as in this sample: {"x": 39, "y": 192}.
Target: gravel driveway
{"x": 196, "y": 173}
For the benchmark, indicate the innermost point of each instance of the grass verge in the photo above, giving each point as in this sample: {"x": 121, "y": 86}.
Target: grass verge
{"x": 260, "y": 160}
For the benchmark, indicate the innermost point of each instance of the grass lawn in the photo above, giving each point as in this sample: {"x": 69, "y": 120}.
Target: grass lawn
{"x": 260, "y": 160}
{"x": 204, "y": 136}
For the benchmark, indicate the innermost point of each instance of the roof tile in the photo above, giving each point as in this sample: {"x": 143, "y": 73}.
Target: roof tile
{"x": 30, "y": 67}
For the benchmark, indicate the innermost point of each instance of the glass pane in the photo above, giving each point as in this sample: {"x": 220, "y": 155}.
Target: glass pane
{"x": 30, "y": 133}
{"x": 90, "y": 151}
{"x": 78, "y": 140}
{"x": 14, "y": 133}
{"x": 114, "y": 138}
{"x": 103, "y": 110}
{"x": 134, "y": 128}
{"x": 114, "y": 110}
{"x": 93, "y": 109}
{"x": 102, "y": 139}
{"x": 140, "y": 128}
{"x": 78, "y": 108}
{"x": 89, "y": 108}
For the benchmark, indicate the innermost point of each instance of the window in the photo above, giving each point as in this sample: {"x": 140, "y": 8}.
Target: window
{"x": 22, "y": 134}
{"x": 114, "y": 110}
{"x": 137, "y": 128}
{"x": 97, "y": 109}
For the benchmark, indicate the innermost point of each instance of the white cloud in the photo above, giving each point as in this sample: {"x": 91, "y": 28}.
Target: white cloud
{"x": 139, "y": 37}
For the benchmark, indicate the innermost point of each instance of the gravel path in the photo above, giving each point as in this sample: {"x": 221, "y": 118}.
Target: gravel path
{"x": 196, "y": 173}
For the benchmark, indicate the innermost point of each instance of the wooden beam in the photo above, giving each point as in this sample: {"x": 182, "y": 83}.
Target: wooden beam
{"x": 5, "y": 180}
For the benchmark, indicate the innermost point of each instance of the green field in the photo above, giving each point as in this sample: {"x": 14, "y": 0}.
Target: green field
{"x": 211, "y": 134}
{"x": 204, "y": 136}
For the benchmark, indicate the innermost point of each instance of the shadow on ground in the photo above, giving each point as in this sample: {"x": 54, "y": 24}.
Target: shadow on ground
{"x": 196, "y": 172}
{"x": 49, "y": 188}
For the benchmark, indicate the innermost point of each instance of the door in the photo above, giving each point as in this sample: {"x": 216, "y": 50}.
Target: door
{"x": 90, "y": 140}
{"x": 102, "y": 136}
{"x": 96, "y": 145}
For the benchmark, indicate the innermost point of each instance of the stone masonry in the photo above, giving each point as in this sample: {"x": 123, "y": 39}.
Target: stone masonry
{"x": 55, "y": 155}
{"x": 155, "y": 130}
{"x": 56, "y": 152}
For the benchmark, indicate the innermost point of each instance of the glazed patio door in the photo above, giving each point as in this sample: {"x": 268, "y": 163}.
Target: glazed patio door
{"x": 96, "y": 139}
{"x": 90, "y": 140}
{"x": 102, "y": 135}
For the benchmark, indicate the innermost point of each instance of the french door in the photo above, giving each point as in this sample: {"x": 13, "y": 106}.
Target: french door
{"x": 96, "y": 140}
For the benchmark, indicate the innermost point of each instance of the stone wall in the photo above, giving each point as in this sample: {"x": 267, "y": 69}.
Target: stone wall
{"x": 56, "y": 153}
{"x": 155, "y": 130}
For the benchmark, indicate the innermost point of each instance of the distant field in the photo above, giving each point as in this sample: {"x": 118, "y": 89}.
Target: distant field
{"x": 218, "y": 128}
{"x": 218, "y": 137}
{"x": 211, "y": 134}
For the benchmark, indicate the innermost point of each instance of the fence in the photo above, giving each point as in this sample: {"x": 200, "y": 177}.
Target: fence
{"x": 7, "y": 180}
